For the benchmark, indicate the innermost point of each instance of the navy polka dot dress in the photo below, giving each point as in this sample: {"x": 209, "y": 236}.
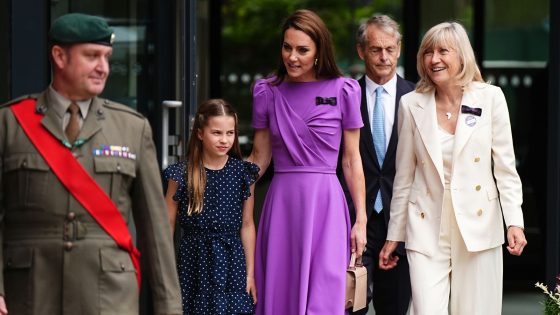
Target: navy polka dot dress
{"x": 211, "y": 260}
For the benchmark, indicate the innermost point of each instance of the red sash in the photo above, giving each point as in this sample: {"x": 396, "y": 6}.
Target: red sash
{"x": 76, "y": 179}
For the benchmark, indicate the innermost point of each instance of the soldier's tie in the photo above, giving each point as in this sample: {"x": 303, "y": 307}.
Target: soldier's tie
{"x": 378, "y": 133}
{"x": 73, "y": 128}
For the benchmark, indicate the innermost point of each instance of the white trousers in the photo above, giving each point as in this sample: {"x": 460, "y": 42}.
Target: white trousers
{"x": 455, "y": 281}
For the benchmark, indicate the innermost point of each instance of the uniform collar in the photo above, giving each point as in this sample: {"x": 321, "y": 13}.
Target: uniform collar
{"x": 60, "y": 103}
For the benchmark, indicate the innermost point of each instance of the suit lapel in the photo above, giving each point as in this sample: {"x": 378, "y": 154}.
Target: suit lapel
{"x": 392, "y": 147}
{"x": 424, "y": 114}
{"x": 52, "y": 122}
{"x": 463, "y": 131}
{"x": 366, "y": 135}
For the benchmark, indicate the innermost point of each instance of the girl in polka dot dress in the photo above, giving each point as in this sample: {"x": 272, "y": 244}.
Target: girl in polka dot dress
{"x": 210, "y": 195}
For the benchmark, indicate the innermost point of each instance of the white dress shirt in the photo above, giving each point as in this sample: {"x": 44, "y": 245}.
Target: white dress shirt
{"x": 388, "y": 97}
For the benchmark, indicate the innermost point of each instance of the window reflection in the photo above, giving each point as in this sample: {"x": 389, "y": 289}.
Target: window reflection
{"x": 516, "y": 42}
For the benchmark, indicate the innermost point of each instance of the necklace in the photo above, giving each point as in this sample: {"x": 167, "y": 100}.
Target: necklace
{"x": 452, "y": 108}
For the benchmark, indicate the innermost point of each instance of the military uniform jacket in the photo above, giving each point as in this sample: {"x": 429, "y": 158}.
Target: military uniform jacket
{"x": 56, "y": 258}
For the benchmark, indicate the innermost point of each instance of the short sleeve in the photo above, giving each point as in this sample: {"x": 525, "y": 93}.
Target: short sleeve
{"x": 351, "y": 98}
{"x": 176, "y": 172}
{"x": 250, "y": 176}
{"x": 262, "y": 98}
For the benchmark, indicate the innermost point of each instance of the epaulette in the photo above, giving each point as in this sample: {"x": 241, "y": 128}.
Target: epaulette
{"x": 121, "y": 107}
{"x": 19, "y": 99}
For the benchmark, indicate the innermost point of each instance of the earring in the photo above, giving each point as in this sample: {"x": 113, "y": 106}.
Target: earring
{"x": 316, "y": 62}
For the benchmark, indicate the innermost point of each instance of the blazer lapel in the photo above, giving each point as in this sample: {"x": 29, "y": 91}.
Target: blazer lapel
{"x": 52, "y": 122}
{"x": 424, "y": 114}
{"x": 465, "y": 128}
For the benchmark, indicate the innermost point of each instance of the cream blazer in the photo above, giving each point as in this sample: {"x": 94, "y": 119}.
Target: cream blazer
{"x": 484, "y": 184}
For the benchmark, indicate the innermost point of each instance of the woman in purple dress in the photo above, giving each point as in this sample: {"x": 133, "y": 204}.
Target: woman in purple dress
{"x": 300, "y": 116}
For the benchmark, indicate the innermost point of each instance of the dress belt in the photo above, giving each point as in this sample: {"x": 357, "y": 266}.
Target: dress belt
{"x": 305, "y": 169}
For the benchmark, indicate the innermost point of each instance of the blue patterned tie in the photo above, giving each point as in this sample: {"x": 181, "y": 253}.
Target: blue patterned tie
{"x": 378, "y": 133}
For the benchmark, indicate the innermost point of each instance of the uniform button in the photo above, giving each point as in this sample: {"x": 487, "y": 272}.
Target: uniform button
{"x": 71, "y": 216}
{"x": 479, "y": 212}
{"x": 24, "y": 163}
{"x": 41, "y": 109}
{"x": 118, "y": 167}
{"x": 477, "y": 187}
{"x": 122, "y": 267}
{"x": 477, "y": 159}
{"x": 422, "y": 215}
{"x": 100, "y": 111}
{"x": 9, "y": 262}
{"x": 68, "y": 246}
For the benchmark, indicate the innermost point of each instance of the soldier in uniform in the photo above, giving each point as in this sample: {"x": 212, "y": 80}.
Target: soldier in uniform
{"x": 57, "y": 257}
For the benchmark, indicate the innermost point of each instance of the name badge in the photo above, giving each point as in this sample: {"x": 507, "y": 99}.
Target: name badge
{"x": 470, "y": 120}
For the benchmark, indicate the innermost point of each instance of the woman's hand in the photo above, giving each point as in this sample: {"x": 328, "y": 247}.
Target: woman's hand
{"x": 354, "y": 177}
{"x": 516, "y": 240}
{"x": 252, "y": 288}
{"x": 386, "y": 258}
{"x": 358, "y": 238}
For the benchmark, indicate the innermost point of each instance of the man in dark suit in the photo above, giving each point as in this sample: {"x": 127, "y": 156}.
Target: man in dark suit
{"x": 379, "y": 47}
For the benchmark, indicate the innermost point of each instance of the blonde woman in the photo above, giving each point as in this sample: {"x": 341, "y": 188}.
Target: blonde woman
{"x": 456, "y": 182}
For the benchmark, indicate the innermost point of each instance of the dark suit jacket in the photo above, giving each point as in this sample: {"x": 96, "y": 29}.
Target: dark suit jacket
{"x": 376, "y": 177}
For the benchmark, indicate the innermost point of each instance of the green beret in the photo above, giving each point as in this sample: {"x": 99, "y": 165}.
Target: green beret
{"x": 76, "y": 28}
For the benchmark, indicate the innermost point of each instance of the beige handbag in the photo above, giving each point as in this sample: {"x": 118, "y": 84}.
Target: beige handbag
{"x": 356, "y": 284}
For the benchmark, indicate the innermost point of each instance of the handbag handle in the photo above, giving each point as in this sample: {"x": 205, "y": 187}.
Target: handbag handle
{"x": 355, "y": 262}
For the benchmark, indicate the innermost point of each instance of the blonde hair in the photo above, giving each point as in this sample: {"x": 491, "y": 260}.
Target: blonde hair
{"x": 453, "y": 35}
{"x": 196, "y": 173}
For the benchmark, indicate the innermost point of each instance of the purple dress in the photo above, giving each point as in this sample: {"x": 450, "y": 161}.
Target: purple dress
{"x": 303, "y": 240}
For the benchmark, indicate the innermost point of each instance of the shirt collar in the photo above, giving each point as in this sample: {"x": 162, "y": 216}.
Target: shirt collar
{"x": 60, "y": 103}
{"x": 390, "y": 87}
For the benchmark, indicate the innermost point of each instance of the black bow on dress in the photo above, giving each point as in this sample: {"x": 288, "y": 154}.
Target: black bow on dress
{"x": 325, "y": 101}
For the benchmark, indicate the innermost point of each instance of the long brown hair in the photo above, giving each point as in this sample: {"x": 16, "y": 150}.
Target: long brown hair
{"x": 196, "y": 174}
{"x": 311, "y": 24}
